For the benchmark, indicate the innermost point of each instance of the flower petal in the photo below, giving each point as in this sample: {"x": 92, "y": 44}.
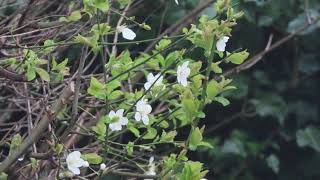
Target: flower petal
{"x": 119, "y": 113}
{"x": 145, "y": 119}
{"x": 112, "y": 114}
{"x": 147, "y": 85}
{"x": 184, "y": 82}
{"x": 137, "y": 116}
{"x": 74, "y": 170}
{"x": 123, "y": 121}
{"x": 128, "y": 34}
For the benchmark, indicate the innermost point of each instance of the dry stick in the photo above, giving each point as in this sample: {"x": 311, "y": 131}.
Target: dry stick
{"x": 129, "y": 174}
{"x": 76, "y": 95}
{"x": 185, "y": 20}
{"x": 115, "y": 40}
{"x": 42, "y": 126}
{"x": 255, "y": 59}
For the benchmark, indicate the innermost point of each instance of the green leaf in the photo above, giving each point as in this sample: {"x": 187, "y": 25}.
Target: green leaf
{"x": 191, "y": 171}
{"x": 115, "y": 95}
{"x": 31, "y": 73}
{"x": 100, "y": 128}
{"x": 34, "y": 163}
{"x": 129, "y": 148}
{"x": 59, "y": 148}
{"x": 97, "y": 89}
{"x": 92, "y": 158}
{"x": 3, "y": 176}
{"x": 309, "y": 137}
{"x": 151, "y": 134}
{"x": 273, "y": 163}
{"x": 168, "y": 137}
{"x": 212, "y": 89}
{"x": 215, "y": 68}
{"x": 44, "y": 75}
{"x": 102, "y": 5}
{"x": 134, "y": 130}
{"x": 163, "y": 44}
{"x": 15, "y": 142}
{"x": 222, "y": 100}
{"x": 238, "y": 58}
{"x": 74, "y": 16}
{"x": 205, "y": 144}
{"x": 100, "y": 29}
{"x": 195, "y": 139}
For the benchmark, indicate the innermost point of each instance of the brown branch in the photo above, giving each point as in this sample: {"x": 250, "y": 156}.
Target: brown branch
{"x": 11, "y": 75}
{"x": 42, "y": 126}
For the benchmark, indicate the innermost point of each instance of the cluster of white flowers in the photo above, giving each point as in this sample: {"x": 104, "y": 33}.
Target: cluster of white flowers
{"x": 74, "y": 162}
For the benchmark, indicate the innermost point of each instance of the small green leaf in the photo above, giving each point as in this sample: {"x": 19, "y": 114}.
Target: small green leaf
{"x": 215, "y": 68}
{"x": 58, "y": 148}
{"x": 31, "y": 73}
{"x": 102, "y": 5}
{"x": 152, "y": 133}
{"x": 44, "y": 75}
{"x": 97, "y": 89}
{"x": 195, "y": 139}
{"x": 238, "y": 58}
{"x": 212, "y": 89}
{"x": 92, "y": 158}
{"x": 168, "y": 137}
{"x": 3, "y": 176}
{"x": 34, "y": 163}
{"x": 129, "y": 148}
{"x": 222, "y": 100}
{"x": 115, "y": 95}
{"x": 74, "y": 16}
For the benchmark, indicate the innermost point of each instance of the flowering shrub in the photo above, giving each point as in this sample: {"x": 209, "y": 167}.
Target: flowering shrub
{"x": 117, "y": 122}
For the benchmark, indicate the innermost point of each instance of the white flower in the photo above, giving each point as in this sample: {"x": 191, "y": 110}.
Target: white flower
{"x": 152, "y": 168}
{"x": 176, "y": 2}
{"x": 126, "y": 32}
{"x": 221, "y": 43}
{"x": 74, "y": 162}
{"x": 117, "y": 126}
{"x": 153, "y": 79}
{"x": 182, "y": 74}
{"x": 143, "y": 109}
{"x": 103, "y": 166}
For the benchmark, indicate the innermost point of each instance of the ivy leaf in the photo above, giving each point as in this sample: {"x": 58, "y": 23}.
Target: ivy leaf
{"x": 92, "y": 158}
{"x": 309, "y": 137}
{"x": 239, "y": 57}
{"x": 44, "y": 75}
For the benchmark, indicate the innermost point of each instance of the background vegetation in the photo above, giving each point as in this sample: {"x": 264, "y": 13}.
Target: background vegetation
{"x": 271, "y": 129}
